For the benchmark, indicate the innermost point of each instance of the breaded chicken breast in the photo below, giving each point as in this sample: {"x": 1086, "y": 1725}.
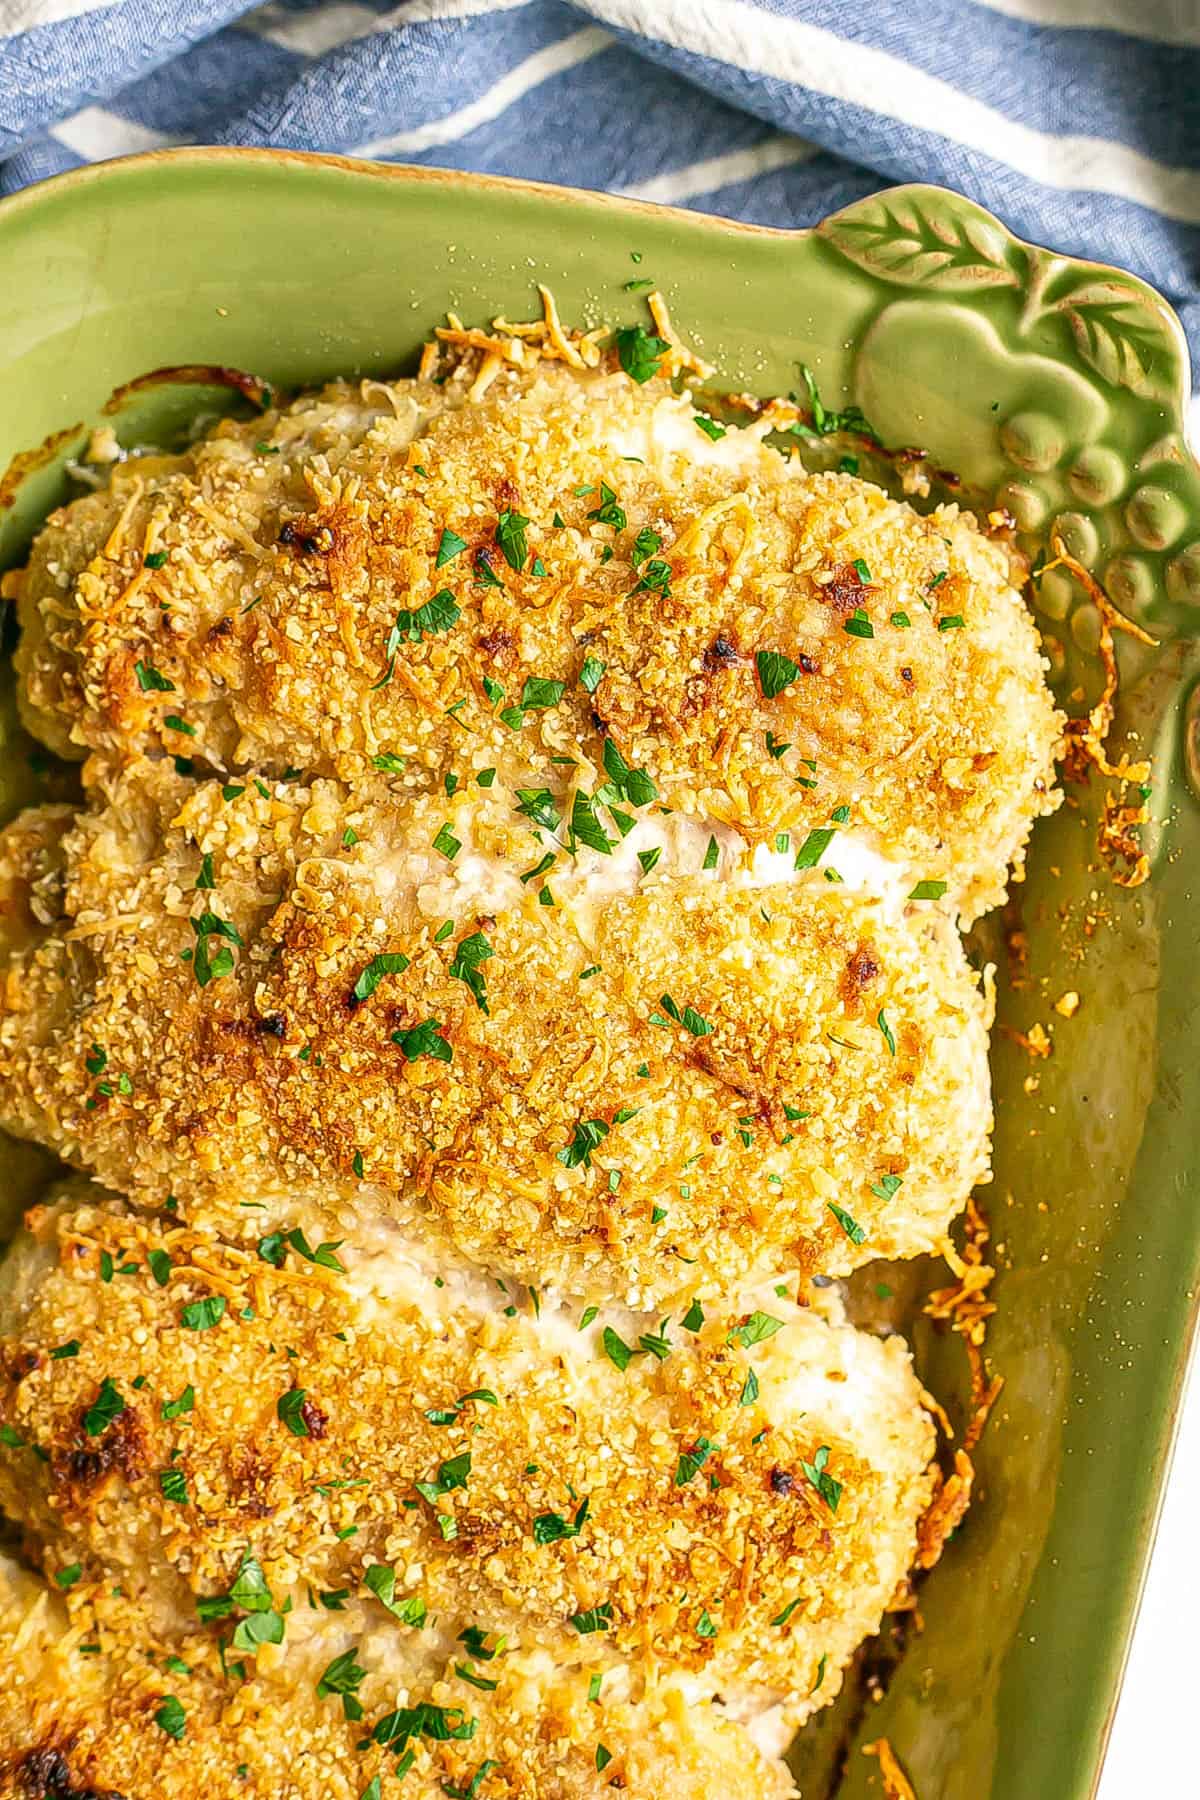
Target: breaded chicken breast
{"x": 97, "y": 1702}
{"x": 572, "y": 561}
{"x": 733, "y": 1496}
{"x": 224, "y": 992}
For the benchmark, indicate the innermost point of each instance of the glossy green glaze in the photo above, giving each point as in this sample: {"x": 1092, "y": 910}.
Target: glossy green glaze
{"x": 1056, "y": 388}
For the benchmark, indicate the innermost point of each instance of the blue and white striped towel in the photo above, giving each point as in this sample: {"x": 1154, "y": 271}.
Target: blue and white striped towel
{"x": 1077, "y": 121}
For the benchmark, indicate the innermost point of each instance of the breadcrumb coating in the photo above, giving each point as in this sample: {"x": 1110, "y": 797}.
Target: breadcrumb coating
{"x": 735, "y": 1498}
{"x": 205, "y": 992}
{"x": 242, "y": 604}
{"x": 96, "y": 1703}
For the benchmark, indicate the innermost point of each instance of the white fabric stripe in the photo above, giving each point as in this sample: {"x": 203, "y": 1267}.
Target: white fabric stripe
{"x": 1167, "y": 21}
{"x": 567, "y": 53}
{"x": 310, "y": 34}
{"x": 96, "y": 134}
{"x": 722, "y": 171}
{"x": 27, "y": 15}
{"x": 341, "y": 21}
{"x": 809, "y": 56}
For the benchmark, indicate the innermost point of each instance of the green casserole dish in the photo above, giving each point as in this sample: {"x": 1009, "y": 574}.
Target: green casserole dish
{"x": 1056, "y": 390}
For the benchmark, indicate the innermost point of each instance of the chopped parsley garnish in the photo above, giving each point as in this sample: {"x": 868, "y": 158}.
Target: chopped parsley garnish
{"x": 689, "y": 1018}
{"x": 705, "y": 1627}
{"x": 848, "y": 1223}
{"x": 439, "y": 1723}
{"x": 174, "y": 723}
{"x": 586, "y": 827}
{"x": 649, "y": 859}
{"x": 610, "y": 511}
{"x": 749, "y": 1393}
{"x": 175, "y": 1409}
{"x": 289, "y": 1409}
{"x": 711, "y": 854}
{"x": 596, "y": 1618}
{"x": 107, "y": 1406}
{"x": 160, "y": 1266}
{"x": 202, "y": 1315}
{"x": 952, "y": 622}
{"x": 173, "y": 1483}
{"x": 552, "y": 1528}
{"x": 66, "y": 1578}
{"x": 481, "y": 564}
{"x": 861, "y": 570}
{"x": 757, "y": 1328}
{"x": 447, "y": 843}
{"x": 450, "y": 546}
{"x": 887, "y": 1186}
{"x": 616, "y": 1349}
{"x": 781, "y": 1618}
{"x": 829, "y": 1489}
{"x": 151, "y": 681}
{"x": 693, "y": 1318}
{"x": 603, "y": 1758}
{"x": 901, "y": 620}
{"x": 589, "y": 1134}
{"x": 539, "y": 693}
{"x": 423, "y": 1040}
{"x": 692, "y": 1461}
{"x": 537, "y": 805}
{"x": 63, "y": 1352}
{"x": 381, "y": 1580}
{"x": 814, "y": 847}
{"x": 889, "y": 1037}
{"x": 388, "y": 763}
{"x": 208, "y": 964}
{"x": 712, "y": 428}
{"x": 858, "y": 625}
{"x": 485, "y": 778}
{"x": 644, "y": 545}
{"x": 928, "y": 890}
{"x": 655, "y": 577}
{"x": 632, "y": 785}
{"x": 639, "y": 352}
{"x": 510, "y": 535}
{"x": 591, "y": 674}
{"x": 936, "y": 581}
{"x": 171, "y": 1718}
{"x": 824, "y": 422}
{"x": 388, "y": 962}
{"x": 343, "y": 1677}
{"x": 155, "y": 559}
{"x": 775, "y": 672}
{"x": 467, "y": 966}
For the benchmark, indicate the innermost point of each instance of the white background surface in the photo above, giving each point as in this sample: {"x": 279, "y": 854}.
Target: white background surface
{"x": 1153, "y": 1743}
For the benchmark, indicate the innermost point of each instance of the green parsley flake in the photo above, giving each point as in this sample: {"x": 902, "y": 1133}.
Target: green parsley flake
{"x": 450, "y": 546}
{"x": 171, "y": 1717}
{"x": 756, "y": 1330}
{"x": 639, "y": 352}
{"x": 928, "y": 890}
{"x": 107, "y": 1406}
{"x": 447, "y": 843}
{"x": 151, "y": 681}
{"x": 596, "y": 1618}
{"x": 689, "y": 1018}
{"x": 775, "y": 672}
{"x": 202, "y": 1315}
{"x": 849, "y": 1225}
{"x": 510, "y": 536}
{"x": 289, "y": 1409}
{"x": 388, "y": 962}
{"x": 829, "y": 1489}
{"x": 424, "y": 1040}
{"x": 888, "y": 1035}
{"x": 467, "y": 966}
{"x": 858, "y": 625}
{"x": 814, "y": 847}
{"x": 692, "y": 1461}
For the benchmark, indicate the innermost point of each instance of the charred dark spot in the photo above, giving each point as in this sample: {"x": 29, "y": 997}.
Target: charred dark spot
{"x": 318, "y": 542}
{"x": 46, "y": 1775}
{"x": 906, "y": 674}
{"x": 585, "y": 638}
{"x": 861, "y": 969}
{"x": 782, "y": 1481}
{"x": 601, "y": 725}
{"x": 316, "y": 1421}
{"x": 845, "y": 589}
{"x": 18, "y": 1363}
{"x": 506, "y": 494}
{"x": 716, "y": 1137}
{"x": 720, "y": 654}
{"x": 223, "y": 627}
{"x": 806, "y": 664}
{"x": 93, "y": 1461}
{"x": 497, "y": 643}
{"x": 272, "y": 1025}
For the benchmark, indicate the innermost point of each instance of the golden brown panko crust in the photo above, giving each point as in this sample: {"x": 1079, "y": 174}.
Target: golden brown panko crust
{"x": 719, "y": 1140}
{"x": 81, "y": 1699}
{"x": 277, "y": 579}
{"x": 674, "y": 1494}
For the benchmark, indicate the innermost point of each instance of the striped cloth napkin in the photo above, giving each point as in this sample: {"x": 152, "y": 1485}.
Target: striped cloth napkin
{"x": 1077, "y": 121}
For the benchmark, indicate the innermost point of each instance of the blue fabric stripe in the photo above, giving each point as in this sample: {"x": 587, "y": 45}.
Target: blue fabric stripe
{"x": 201, "y": 71}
